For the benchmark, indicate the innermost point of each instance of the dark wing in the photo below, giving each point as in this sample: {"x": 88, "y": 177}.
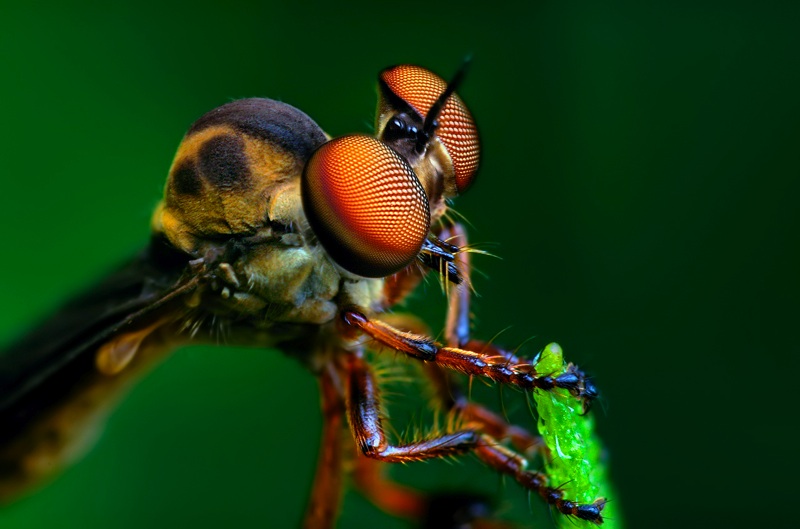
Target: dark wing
{"x": 43, "y": 365}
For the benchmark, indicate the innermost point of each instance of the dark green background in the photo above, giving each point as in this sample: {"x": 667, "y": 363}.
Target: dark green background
{"x": 639, "y": 180}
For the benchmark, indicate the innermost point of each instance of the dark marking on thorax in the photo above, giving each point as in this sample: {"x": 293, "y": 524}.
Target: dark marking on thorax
{"x": 269, "y": 120}
{"x": 223, "y": 163}
{"x": 185, "y": 180}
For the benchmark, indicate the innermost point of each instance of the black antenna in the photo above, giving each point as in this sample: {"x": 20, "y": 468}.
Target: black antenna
{"x": 430, "y": 124}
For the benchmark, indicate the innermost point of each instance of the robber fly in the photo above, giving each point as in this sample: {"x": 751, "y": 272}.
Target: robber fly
{"x": 272, "y": 234}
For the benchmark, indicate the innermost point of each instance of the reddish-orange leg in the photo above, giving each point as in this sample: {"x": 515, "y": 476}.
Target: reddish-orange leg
{"x": 441, "y": 511}
{"x": 364, "y": 407}
{"x": 492, "y": 366}
{"x": 389, "y": 496}
{"x": 438, "y": 510}
{"x": 364, "y": 414}
{"x": 449, "y": 394}
{"x": 323, "y": 505}
{"x": 448, "y": 510}
{"x": 457, "y": 334}
{"x": 457, "y": 327}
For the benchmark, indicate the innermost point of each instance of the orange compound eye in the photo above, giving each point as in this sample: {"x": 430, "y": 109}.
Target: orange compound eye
{"x": 420, "y": 88}
{"x": 365, "y": 205}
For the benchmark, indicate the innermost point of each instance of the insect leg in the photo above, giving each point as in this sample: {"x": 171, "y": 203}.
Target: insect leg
{"x": 389, "y": 496}
{"x": 398, "y": 286}
{"x": 462, "y": 354}
{"x": 364, "y": 414}
{"x": 457, "y": 334}
{"x": 494, "y": 367}
{"x": 452, "y": 398}
{"x": 445, "y": 510}
{"x": 456, "y": 329}
{"x": 448, "y": 391}
{"x": 496, "y": 456}
{"x": 510, "y": 463}
{"x": 323, "y": 505}
{"x": 368, "y": 475}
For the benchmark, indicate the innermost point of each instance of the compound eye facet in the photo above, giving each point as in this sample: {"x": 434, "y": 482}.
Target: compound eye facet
{"x": 365, "y": 205}
{"x": 420, "y": 88}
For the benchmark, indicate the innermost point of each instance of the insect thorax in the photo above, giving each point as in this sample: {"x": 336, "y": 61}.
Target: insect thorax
{"x": 233, "y": 199}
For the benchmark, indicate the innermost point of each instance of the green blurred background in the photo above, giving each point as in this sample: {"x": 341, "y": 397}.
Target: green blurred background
{"x": 640, "y": 181}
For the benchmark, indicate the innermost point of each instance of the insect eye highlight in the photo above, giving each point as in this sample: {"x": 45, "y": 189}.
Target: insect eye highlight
{"x": 396, "y": 127}
{"x": 399, "y": 128}
{"x": 365, "y": 205}
{"x": 420, "y": 88}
